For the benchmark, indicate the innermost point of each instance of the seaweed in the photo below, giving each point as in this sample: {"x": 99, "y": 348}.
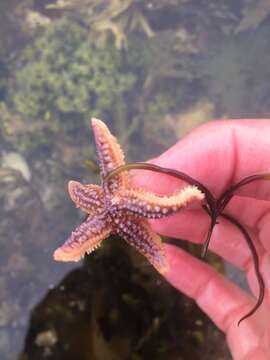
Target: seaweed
{"x": 113, "y": 17}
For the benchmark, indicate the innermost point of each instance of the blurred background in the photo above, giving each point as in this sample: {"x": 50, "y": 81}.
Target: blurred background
{"x": 152, "y": 70}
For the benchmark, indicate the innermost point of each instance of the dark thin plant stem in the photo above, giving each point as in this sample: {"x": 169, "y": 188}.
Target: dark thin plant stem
{"x": 205, "y": 245}
{"x": 229, "y": 193}
{"x": 255, "y": 262}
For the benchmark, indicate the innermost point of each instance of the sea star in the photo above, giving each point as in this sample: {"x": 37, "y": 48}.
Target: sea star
{"x": 117, "y": 207}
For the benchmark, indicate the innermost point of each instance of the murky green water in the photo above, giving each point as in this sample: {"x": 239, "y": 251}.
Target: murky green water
{"x": 152, "y": 71}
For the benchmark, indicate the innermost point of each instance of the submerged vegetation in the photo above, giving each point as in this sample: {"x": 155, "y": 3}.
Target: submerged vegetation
{"x": 116, "y": 17}
{"x": 66, "y": 71}
{"x": 64, "y": 76}
{"x": 131, "y": 62}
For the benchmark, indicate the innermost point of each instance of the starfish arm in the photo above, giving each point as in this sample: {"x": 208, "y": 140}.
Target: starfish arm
{"x": 85, "y": 239}
{"x": 151, "y": 206}
{"x": 110, "y": 155}
{"x": 89, "y": 198}
{"x": 138, "y": 233}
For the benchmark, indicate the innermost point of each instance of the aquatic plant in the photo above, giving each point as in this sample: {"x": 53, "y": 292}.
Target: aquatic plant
{"x": 117, "y": 17}
{"x": 167, "y": 56}
{"x": 66, "y": 72}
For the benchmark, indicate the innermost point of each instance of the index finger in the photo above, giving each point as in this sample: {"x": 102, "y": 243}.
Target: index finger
{"x": 218, "y": 154}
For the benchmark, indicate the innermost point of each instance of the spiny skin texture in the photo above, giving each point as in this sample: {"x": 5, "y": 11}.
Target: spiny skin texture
{"x": 116, "y": 207}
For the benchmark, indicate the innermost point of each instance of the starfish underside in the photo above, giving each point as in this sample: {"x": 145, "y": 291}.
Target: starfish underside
{"x": 117, "y": 207}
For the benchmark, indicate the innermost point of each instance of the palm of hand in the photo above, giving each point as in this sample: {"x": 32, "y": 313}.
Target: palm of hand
{"x": 219, "y": 155}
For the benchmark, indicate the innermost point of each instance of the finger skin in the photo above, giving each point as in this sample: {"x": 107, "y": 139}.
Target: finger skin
{"x": 222, "y": 301}
{"x": 217, "y": 296}
{"x": 219, "y": 154}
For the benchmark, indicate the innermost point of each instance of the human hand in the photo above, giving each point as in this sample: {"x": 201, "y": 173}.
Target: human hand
{"x": 219, "y": 154}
